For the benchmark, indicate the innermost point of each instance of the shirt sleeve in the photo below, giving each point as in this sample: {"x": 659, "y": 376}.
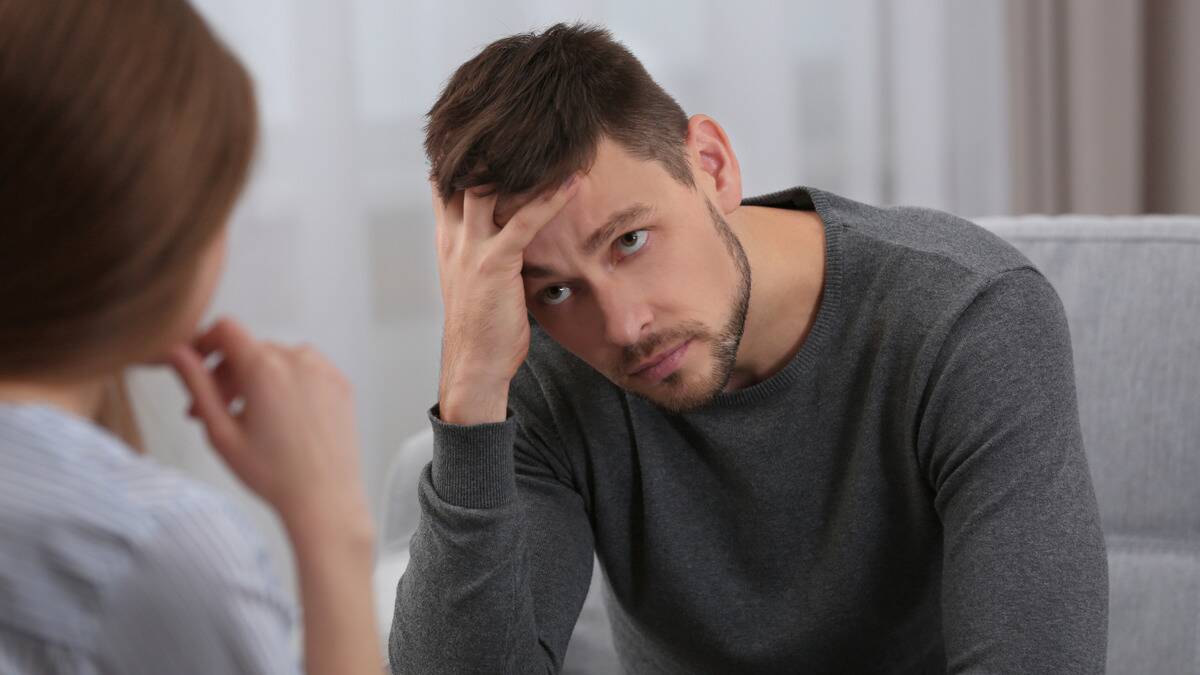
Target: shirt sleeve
{"x": 199, "y": 598}
{"x": 1025, "y": 581}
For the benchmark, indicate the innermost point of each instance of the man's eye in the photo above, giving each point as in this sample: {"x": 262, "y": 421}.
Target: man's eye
{"x": 555, "y": 295}
{"x": 632, "y": 242}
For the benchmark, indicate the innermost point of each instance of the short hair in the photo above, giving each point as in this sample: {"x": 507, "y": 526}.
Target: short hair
{"x": 530, "y": 109}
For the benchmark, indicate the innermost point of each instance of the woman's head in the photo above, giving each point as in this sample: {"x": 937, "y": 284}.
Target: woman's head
{"x": 126, "y": 133}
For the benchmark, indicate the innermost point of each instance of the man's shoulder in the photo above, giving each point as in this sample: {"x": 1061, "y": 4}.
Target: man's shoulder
{"x": 911, "y": 272}
{"x": 916, "y": 268}
{"x": 925, "y": 237}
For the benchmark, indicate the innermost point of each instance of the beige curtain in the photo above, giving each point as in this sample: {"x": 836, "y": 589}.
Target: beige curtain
{"x": 1105, "y": 98}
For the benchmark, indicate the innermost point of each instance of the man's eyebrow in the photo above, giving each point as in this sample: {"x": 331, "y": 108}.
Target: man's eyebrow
{"x": 537, "y": 272}
{"x": 620, "y": 220}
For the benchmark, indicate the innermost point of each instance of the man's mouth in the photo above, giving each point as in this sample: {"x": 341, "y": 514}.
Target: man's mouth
{"x": 658, "y": 367}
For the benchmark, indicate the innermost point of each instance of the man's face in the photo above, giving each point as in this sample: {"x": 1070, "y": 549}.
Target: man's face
{"x": 641, "y": 278}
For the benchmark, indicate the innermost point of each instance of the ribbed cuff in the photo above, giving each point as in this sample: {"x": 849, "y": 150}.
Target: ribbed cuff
{"x": 473, "y": 465}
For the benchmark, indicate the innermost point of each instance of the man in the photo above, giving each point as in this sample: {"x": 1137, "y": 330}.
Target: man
{"x": 801, "y": 433}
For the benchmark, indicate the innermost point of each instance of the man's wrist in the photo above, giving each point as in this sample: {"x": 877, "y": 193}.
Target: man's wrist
{"x": 470, "y": 403}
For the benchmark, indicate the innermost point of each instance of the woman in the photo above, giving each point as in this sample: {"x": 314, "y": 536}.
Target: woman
{"x": 126, "y": 133}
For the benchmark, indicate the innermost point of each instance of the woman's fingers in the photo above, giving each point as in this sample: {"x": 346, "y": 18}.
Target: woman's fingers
{"x": 208, "y": 403}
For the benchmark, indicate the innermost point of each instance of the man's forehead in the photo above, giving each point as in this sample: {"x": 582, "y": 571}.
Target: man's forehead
{"x": 613, "y": 180}
{"x": 584, "y": 209}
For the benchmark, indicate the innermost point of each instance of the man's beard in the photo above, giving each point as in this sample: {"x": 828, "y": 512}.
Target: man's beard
{"x": 680, "y": 396}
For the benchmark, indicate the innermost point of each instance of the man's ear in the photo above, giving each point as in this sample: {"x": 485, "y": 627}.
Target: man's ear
{"x": 714, "y": 165}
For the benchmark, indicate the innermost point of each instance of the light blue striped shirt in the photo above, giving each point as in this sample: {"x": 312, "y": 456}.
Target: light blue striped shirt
{"x": 111, "y": 563}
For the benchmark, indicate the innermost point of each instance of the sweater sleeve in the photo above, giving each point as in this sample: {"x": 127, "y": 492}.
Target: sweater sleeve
{"x": 502, "y": 558}
{"x": 1025, "y": 580}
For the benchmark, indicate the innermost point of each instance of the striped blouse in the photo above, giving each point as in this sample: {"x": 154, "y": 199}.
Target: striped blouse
{"x": 111, "y": 563}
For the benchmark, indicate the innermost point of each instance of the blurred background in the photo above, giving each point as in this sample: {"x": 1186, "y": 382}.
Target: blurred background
{"x": 990, "y": 107}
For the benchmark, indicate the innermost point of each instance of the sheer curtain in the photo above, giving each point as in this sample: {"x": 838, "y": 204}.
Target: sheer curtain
{"x": 333, "y": 243}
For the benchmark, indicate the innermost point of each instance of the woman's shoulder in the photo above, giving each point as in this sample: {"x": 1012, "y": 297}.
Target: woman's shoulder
{"x": 95, "y": 533}
{"x": 88, "y": 493}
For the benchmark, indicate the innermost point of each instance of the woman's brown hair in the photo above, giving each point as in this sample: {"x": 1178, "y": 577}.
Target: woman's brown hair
{"x": 126, "y": 133}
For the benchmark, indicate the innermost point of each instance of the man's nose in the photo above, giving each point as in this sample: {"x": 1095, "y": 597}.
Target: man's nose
{"x": 626, "y": 316}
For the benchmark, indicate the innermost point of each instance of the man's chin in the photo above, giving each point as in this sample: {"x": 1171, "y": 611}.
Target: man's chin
{"x": 673, "y": 393}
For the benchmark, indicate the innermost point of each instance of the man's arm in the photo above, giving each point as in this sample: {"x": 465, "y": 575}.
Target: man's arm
{"x": 1025, "y": 581}
{"x": 501, "y": 561}
{"x": 502, "y": 557}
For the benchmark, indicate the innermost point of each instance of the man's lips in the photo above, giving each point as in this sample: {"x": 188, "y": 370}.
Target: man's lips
{"x": 662, "y": 364}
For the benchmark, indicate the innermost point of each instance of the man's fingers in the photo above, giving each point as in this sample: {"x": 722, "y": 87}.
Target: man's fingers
{"x": 436, "y": 194}
{"x": 531, "y": 218}
{"x": 451, "y": 210}
{"x": 479, "y": 207}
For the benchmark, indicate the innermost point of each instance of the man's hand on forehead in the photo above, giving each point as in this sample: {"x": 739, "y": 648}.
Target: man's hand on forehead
{"x": 486, "y": 326}
{"x": 508, "y": 205}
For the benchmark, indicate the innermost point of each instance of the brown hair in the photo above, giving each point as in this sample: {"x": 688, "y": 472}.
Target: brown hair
{"x": 126, "y": 133}
{"x": 530, "y": 109}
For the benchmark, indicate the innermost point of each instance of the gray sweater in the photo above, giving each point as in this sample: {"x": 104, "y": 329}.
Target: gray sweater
{"x": 908, "y": 494}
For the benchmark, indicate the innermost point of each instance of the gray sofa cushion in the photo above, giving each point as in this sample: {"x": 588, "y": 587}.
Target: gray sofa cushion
{"x": 1154, "y": 622}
